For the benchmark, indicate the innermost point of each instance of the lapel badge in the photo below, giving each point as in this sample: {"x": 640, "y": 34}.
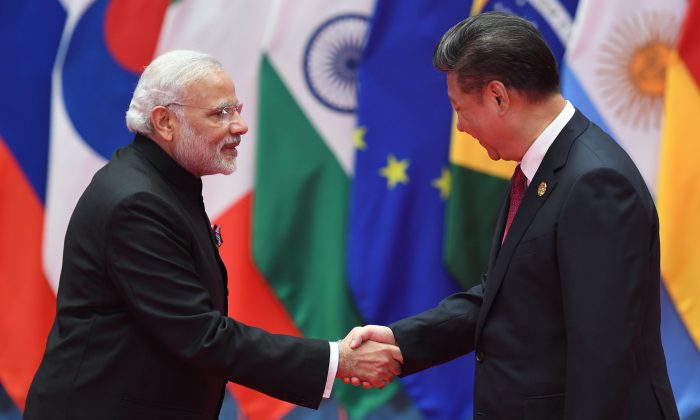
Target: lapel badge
{"x": 542, "y": 188}
{"x": 216, "y": 231}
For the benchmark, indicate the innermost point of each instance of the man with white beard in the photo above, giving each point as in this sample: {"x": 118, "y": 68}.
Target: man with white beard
{"x": 141, "y": 330}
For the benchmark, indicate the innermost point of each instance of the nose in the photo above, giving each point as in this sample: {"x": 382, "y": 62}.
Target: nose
{"x": 238, "y": 126}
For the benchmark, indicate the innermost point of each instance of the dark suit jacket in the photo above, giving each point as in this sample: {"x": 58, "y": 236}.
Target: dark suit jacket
{"x": 141, "y": 330}
{"x": 565, "y": 323}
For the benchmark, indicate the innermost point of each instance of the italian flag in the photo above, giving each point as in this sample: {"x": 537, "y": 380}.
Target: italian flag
{"x": 304, "y": 160}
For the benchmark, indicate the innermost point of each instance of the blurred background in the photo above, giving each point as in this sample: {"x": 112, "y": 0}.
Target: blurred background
{"x": 355, "y": 201}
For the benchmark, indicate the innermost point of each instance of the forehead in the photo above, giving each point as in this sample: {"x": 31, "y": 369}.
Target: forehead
{"x": 214, "y": 87}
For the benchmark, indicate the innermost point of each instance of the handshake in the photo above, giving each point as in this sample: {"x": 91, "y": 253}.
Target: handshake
{"x": 369, "y": 356}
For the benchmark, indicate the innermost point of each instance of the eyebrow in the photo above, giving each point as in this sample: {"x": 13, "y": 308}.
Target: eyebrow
{"x": 224, "y": 104}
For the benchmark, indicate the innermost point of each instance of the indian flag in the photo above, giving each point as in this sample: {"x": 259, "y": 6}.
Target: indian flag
{"x": 304, "y": 160}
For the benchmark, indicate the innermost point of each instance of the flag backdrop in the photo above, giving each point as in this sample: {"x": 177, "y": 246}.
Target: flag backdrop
{"x": 304, "y": 161}
{"x": 400, "y": 185}
{"x": 26, "y": 300}
{"x": 331, "y": 221}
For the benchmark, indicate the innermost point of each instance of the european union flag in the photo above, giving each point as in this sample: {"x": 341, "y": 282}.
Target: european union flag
{"x": 401, "y": 182}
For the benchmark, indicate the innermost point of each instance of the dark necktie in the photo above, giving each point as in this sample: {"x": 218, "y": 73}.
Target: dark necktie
{"x": 517, "y": 192}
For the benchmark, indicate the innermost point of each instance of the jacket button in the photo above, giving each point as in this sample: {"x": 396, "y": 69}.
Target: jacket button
{"x": 479, "y": 356}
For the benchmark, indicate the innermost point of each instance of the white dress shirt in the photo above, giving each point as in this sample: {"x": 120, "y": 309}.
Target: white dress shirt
{"x": 534, "y": 155}
{"x": 332, "y": 369}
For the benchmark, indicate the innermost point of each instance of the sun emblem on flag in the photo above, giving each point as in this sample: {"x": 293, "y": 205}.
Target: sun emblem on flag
{"x": 632, "y": 67}
{"x": 331, "y": 61}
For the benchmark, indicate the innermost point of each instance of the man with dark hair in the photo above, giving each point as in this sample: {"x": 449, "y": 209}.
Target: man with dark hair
{"x": 565, "y": 323}
{"x": 141, "y": 330}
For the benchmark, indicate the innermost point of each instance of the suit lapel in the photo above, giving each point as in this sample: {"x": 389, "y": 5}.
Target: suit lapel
{"x": 501, "y": 255}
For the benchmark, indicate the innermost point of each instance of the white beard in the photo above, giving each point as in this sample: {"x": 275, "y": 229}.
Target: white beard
{"x": 196, "y": 154}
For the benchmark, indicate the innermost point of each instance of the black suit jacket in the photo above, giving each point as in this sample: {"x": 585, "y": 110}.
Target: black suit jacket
{"x": 565, "y": 323}
{"x": 141, "y": 330}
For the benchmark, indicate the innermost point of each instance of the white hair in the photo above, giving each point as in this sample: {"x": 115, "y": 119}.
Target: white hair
{"x": 163, "y": 82}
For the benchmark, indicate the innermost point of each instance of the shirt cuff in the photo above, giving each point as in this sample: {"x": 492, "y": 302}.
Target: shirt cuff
{"x": 332, "y": 369}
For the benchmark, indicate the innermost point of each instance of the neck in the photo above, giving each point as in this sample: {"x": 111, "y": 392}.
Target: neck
{"x": 539, "y": 115}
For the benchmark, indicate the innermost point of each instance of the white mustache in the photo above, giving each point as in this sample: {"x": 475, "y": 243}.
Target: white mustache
{"x": 235, "y": 140}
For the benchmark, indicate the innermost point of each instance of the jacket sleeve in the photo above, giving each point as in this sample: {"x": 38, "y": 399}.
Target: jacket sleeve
{"x": 440, "y": 334}
{"x": 149, "y": 262}
{"x": 606, "y": 240}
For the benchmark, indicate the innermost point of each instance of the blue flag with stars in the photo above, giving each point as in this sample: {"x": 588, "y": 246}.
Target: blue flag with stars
{"x": 401, "y": 183}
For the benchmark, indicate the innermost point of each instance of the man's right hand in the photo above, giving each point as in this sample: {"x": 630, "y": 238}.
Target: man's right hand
{"x": 378, "y": 343}
{"x": 372, "y": 364}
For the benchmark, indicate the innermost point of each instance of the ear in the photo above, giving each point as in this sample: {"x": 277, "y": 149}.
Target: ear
{"x": 163, "y": 123}
{"x": 497, "y": 94}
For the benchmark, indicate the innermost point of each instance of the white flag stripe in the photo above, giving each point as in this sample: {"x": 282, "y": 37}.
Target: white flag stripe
{"x": 71, "y": 162}
{"x": 286, "y": 45}
{"x": 616, "y": 52}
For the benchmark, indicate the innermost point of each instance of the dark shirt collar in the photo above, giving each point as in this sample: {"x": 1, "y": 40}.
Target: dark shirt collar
{"x": 168, "y": 167}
